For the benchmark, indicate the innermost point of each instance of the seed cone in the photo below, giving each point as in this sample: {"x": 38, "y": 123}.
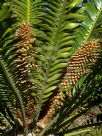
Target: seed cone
{"x": 80, "y": 64}
{"x": 26, "y": 33}
{"x": 29, "y": 110}
{"x": 24, "y": 57}
{"x": 24, "y": 63}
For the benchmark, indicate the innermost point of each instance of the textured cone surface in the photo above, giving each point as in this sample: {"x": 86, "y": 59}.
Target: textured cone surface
{"x": 24, "y": 64}
{"x": 80, "y": 64}
{"x": 29, "y": 110}
{"x": 55, "y": 103}
{"x": 26, "y": 33}
{"x": 24, "y": 53}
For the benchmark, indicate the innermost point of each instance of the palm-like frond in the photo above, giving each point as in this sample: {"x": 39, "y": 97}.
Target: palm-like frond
{"x": 9, "y": 93}
{"x": 26, "y": 10}
{"x": 9, "y": 86}
{"x": 91, "y": 26}
{"x": 53, "y": 45}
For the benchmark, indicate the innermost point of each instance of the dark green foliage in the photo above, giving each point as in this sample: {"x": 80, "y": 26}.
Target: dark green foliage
{"x": 60, "y": 27}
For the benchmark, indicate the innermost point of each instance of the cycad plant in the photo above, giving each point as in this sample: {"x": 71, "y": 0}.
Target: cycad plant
{"x": 50, "y": 67}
